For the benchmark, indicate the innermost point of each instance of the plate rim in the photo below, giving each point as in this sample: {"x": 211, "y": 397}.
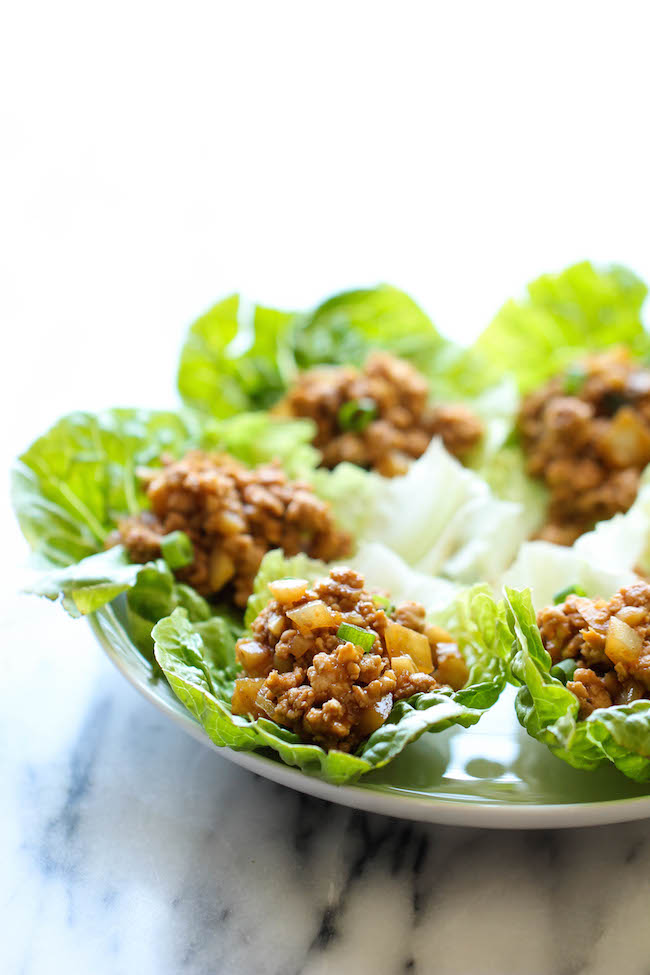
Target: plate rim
{"x": 442, "y": 811}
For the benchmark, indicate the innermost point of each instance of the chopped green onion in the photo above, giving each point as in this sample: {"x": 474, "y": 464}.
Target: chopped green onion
{"x": 355, "y": 634}
{"x": 383, "y": 602}
{"x": 565, "y": 670}
{"x": 357, "y": 414}
{"x": 574, "y": 379}
{"x": 560, "y": 596}
{"x": 177, "y": 550}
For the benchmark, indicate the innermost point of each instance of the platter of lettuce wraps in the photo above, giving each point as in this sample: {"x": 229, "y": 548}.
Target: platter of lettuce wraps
{"x": 376, "y": 566}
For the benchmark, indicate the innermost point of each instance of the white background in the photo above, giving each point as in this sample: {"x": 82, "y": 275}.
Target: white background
{"x": 156, "y": 156}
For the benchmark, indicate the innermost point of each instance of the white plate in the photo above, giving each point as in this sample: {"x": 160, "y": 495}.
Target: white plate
{"x": 492, "y": 775}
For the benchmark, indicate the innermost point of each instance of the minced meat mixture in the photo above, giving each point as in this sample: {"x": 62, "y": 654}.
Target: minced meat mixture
{"x": 378, "y": 417}
{"x": 609, "y": 640}
{"x": 329, "y": 689}
{"x": 587, "y": 434}
{"x": 233, "y": 515}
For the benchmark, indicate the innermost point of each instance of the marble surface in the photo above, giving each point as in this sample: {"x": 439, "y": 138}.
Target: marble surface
{"x": 129, "y": 848}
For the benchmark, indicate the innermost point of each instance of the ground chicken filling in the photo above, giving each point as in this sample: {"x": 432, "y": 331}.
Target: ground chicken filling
{"x": 610, "y": 642}
{"x": 378, "y": 417}
{"x": 587, "y": 434}
{"x": 329, "y": 660}
{"x": 233, "y": 515}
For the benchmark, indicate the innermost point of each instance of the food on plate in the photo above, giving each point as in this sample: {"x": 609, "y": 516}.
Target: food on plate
{"x": 232, "y": 515}
{"x": 312, "y": 552}
{"x": 586, "y": 434}
{"x": 601, "y": 646}
{"x": 584, "y": 670}
{"x": 330, "y": 659}
{"x": 378, "y": 416}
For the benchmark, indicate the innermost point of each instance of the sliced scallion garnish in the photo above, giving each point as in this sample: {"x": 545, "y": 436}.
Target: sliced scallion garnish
{"x": 560, "y": 596}
{"x": 355, "y": 415}
{"x": 355, "y": 634}
{"x": 177, "y": 549}
{"x": 574, "y": 379}
{"x": 565, "y": 670}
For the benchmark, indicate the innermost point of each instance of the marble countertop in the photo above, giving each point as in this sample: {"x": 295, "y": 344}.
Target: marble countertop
{"x": 128, "y": 848}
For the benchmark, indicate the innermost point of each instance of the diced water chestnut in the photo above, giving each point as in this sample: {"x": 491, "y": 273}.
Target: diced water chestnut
{"x": 451, "y": 668}
{"x": 623, "y": 644}
{"x": 288, "y": 591}
{"x": 244, "y": 694}
{"x": 314, "y": 615}
{"x": 401, "y": 640}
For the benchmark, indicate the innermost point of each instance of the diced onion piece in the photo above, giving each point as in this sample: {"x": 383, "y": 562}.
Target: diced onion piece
{"x": 626, "y": 441}
{"x": 401, "y": 640}
{"x": 436, "y": 634}
{"x": 288, "y": 590}
{"x": 623, "y": 644}
{"x": 372, "y": 718}
{"x": 451, "y": 668}
{"x": 403, "y": 665}
{"x": 255, "y": 660}
{"x": 314, "y": 615}
{"x": 244, "y": 694}
{"x": 221, "y": 569}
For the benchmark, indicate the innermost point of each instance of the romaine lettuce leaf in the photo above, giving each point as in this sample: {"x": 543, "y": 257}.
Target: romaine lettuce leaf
{"x": 184, "y": 656}
{"x": 72, "y": 483}
{"x": 545, "y": 707}
{"x": 563, "y": 317}
{"x": 549, "y": 711}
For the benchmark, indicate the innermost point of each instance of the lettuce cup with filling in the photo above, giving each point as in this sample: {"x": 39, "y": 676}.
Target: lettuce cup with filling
{"x": 333, "y": 675}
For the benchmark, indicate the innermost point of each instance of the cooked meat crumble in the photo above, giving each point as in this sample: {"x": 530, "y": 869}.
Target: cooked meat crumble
{"x": 326, "y": 687}
{"x": 233, "y": 516}
{"x": 587, "y": 434}
{"x": 610, "y": 642}
{"x": 378, "y": 417}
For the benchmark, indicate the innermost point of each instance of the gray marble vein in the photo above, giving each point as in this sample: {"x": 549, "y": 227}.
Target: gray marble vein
{"x": 127, "y": 848}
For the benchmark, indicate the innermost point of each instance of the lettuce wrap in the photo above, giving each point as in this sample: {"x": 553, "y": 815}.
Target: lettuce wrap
{"x": 73, "y": 485}
{"x": 200, "y": 668}
{"x": 599, "y": 563}
{"x": 562, "y": 318}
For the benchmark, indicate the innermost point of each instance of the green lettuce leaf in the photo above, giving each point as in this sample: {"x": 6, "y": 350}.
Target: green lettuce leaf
{"x": 563, "y": 317}
{"x": 230, "y": 361}
{"x": 70, "y": 486}
{"x": 549, "y": 711}
{"x": 545, "y": 707}
{"x": 184, "y": 656}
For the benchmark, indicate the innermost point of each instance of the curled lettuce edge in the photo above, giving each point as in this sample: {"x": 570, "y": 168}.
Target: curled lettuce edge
{"x": 477, "y": 621}
{"x": 549, "y": 711}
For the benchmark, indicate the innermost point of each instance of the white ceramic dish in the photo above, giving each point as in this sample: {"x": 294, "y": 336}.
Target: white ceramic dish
{"x": 493, "y": 775}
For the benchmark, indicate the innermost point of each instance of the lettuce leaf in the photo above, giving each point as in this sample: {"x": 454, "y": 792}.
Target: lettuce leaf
{"x": 206, "y": 688}
{"x": 440, "y": 517}
{"x": 545, "y": 707}
{"x": 243, "y": 357}
{"x": 549, "y": 711}
{"x": 70, "y": 486}
{"x": 563, "y": 317}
